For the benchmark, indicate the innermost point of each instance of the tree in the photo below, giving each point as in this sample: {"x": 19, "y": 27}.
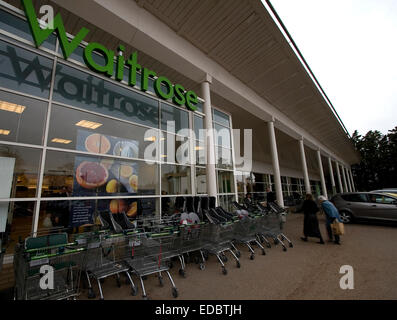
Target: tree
{"x": 377, "y": 168}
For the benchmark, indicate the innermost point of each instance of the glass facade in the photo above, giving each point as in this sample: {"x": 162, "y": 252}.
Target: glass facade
{"x": 74, "y": 143}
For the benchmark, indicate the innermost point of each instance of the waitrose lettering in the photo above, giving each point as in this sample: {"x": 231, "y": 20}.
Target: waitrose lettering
{"x": 162, "y": 86}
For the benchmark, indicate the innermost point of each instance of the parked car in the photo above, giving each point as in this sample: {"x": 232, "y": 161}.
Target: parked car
{"x": 390, "y": 191}
{"x": 366, "y": 205}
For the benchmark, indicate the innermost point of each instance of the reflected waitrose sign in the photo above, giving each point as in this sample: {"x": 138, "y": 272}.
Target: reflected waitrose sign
{"x": 162, "y": 86}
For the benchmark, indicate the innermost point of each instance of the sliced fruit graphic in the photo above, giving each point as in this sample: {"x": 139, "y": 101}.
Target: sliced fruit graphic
{"x": 126, "y": 171}
{"x": 133, "y": 210}
{"x": 117, "y": 206}
{"x": 97, "y": 143}
{"x": 91, "y": 175}
{"x": 112, "y": 186}
{"x": 133, "y": 181}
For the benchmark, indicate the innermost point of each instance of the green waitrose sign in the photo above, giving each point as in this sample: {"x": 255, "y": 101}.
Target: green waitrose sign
{"x": 162, "y": 86}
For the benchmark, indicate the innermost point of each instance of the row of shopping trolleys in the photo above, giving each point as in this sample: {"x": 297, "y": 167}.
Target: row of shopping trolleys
{"x": 143, "y": 248}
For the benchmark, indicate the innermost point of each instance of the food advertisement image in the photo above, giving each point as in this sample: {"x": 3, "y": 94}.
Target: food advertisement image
{"x": 106, "y": 176}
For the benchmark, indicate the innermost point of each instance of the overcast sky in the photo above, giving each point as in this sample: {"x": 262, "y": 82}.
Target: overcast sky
{"x": 351, "y": 47}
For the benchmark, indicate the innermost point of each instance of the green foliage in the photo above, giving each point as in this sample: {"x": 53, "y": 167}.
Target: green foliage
{"x": 378, "y": 166}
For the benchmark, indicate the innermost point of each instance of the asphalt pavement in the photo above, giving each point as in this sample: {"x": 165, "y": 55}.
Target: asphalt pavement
{"x": 307, "y": 271}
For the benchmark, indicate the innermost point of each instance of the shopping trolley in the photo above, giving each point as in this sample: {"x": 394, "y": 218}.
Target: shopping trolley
{"x": 246, "y": 232}
{"x": 276, "y": 219}
{"x": 47, "y": 268}
{"x": 217, "y": 239}
{"x": 104, "y": 258}
{"x": 190, "y": 241}
{"x": 149, "y": 254}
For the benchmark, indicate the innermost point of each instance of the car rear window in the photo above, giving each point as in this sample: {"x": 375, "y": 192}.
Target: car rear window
{"x": 354, "y": 197}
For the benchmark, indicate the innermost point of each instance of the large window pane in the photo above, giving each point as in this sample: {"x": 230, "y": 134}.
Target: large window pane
{"x": 175, "y": 180}
{"x": 222, "y": 137}
{"x": 19, "y": 168}
{"x": 15, "y": 223}
{"x": 226, "y": 202}
{"x": 201, "y": 154}
{"x": 201, "y": 180}
{"x": 80, "y": 89}
{"x": 24, "y": 71}
{"x": 110, "y": 137}
{"x": 19, "y": 27}
{"x": 74, "y": 175}
{"x": 179, "y": 149}
{"x": 75, "y": 215}
{"x": 178, "y": 117}
{"x": 224, "y": 158}
{"x": 199, "y": 127}
{"x": 21, "y": 119}
{"x": 225, "y": 182}
{"x": 221, "y": 118}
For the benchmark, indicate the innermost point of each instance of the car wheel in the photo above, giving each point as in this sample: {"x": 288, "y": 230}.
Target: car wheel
{"x": 346, "y": 217}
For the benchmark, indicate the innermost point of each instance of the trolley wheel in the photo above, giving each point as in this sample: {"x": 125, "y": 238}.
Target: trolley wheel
{"x": 134, "y": 291}
{"x": 101, "y": 299}
{"x": 238, "y": 254}
{"x": 145, "y": 298}
{"x": 224, "y": 271}
{"x": 268, "y": 245}
{"x": 161, "y": 281}
{"x": 175, "y": 292}
{"x": 91, "y": 294}
{"x": 284, "y": 248}
{"x": 291, "y": 245}
{"x": 181, "y": 272}
{"x": 118, "y": 282}
{"x": 201, "y": 266}
{"x": 252, "y": 256}
{"x": 238, "y": 264}
{"x": 224, "y": 258}
{"x": 263, "y": 252}
{"x": 276, "y": 241}
{"x": 170, "y": 264}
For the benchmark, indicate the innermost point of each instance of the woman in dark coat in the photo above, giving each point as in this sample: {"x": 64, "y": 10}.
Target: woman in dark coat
{"x": 310, "y": 223}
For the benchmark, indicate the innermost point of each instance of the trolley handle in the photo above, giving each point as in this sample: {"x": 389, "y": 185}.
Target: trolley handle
{"x": 51, "y": 247}
{"x": 56, "y": 254}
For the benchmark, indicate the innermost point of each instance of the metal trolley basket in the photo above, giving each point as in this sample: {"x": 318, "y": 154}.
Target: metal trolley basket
{"x": 150, "y": 253}
{"x": 218, "y": 240}
{"x": 105, "y": 258}
{"x": 272, "y": 225}
{"x": 47, "y": 268}
{"x": 191, "y": 240}
{"x": 246, "y": 232}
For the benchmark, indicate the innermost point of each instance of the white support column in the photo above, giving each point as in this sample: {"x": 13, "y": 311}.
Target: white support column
{"x": 322, "y": 179}
{"x": 351, "y": 177}
{"x": 349, "y": 184}
{"x": 276, "y": 166}
{"x": 304, "y": 166}
{"x": 344, "y": 179}
{"x": 339, "y": 178}
{"x": 211, "y": 172}
{"x": 331, "y": 173}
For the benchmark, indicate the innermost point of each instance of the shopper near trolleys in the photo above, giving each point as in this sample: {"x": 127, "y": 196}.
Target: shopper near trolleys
{"x": 310, "y": 222}
{"x": 332, "y": 214}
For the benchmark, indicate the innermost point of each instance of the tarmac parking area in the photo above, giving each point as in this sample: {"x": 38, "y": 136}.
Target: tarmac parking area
{"x": 306, "y": 271}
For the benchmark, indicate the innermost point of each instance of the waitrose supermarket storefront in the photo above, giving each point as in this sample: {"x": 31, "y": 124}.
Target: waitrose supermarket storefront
{"x": 96, "y": 123}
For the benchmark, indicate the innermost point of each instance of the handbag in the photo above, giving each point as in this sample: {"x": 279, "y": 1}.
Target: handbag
{"x": 338, "y": 228}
